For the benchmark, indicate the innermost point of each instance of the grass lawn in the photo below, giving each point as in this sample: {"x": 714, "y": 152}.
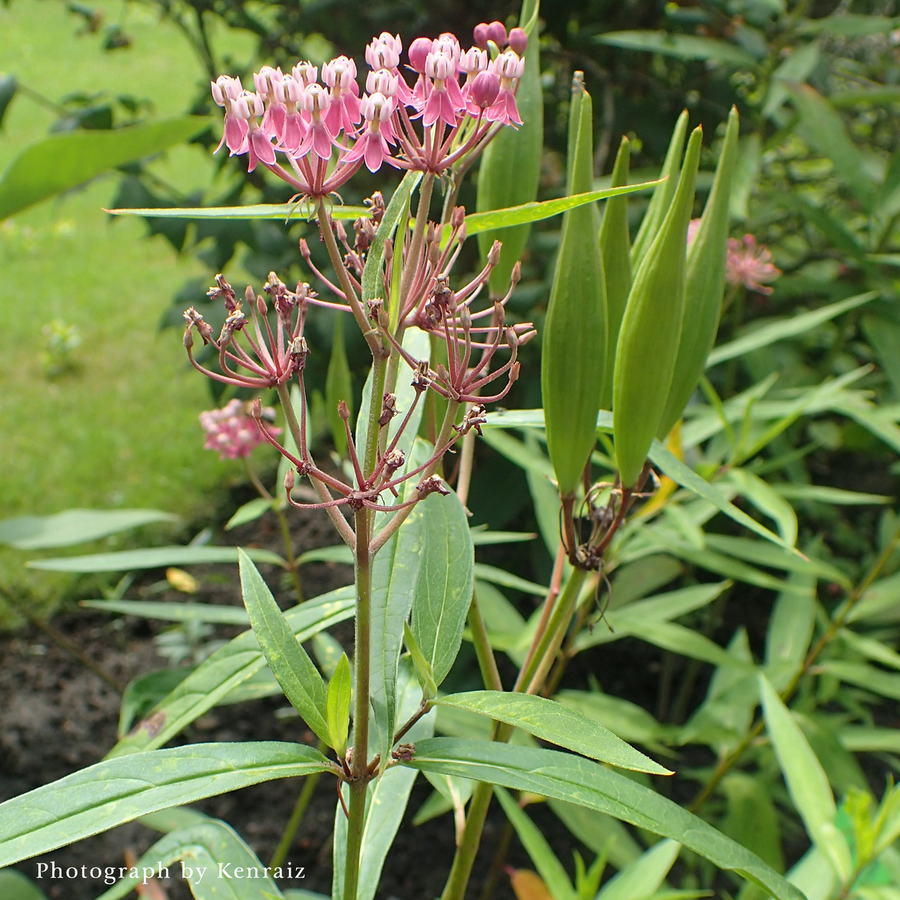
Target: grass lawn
{"x": 121, "y": 430}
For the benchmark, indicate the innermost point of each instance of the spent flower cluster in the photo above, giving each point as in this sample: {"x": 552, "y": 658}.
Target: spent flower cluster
{"x": 234, "y": 432}
{"x": 326, "y": 127}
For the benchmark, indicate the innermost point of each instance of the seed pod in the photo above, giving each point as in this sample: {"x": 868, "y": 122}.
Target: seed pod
{"x": 662, "y": 194}
{"x": 651, "y": 330}
{"x": 615, "y": 247}
{"x": 704, "y": 284}
{"x": 573, "y": 360}
{"x": 511, "y": 164}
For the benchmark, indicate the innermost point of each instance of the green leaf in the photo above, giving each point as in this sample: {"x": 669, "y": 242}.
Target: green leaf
{"x": 145, "y": 691}
{"x": 752, "y": 819}
{"x": 228, "y": 668}
{"x": 598, "y": 832}
{"x": 644, "y": 877}
{"x": 494, "y": 575}
{"x": 8, "y": 86}
{"x": 545, "y": 861}
{"x": 818, "y": 493}
{"x": 65, "y": 161}
{"x": 386, "y": 802}
{"x": 172, "y": 819}
{"x": 338, "y": 387}
{"x": 790, "y": 629}
{"x": 849, "y": 25}
{"x": 765, "y": 554}
{"x": 211, "y": 852}
{"x": 672, "y": 466}
{"x": 553, "y": 722}
{"x": 767, "y": 501}
{"x": 395, "y": 574}
{"x": 445, "y": 582}
{"x": 283, "y": 211}
{"x": 547, "y": 209}
{"x": 823, "y": 129}
{"x": 805, "y": 778}
{"x": 153, "y": 558}
{"x": 75, "y": 526}
{"x": 114, "y": 791}
{"x": 869, "y": 678}
{"x": 878, "y": 603}
{"x": 683, "y": 46}
{"x": 372, "y": 283}
{"x": 340, "y": 689}
{"x": 294, "y": 670}
{"x": 249, "y": 512}
{"x": 14, "y": 885}
{"x": 580, "y": 781}
{"x": 510, "y": 169}
{"x": 782, "y": 329}
{"x": 424, "y": 672}
{"x": 166, "y": 611}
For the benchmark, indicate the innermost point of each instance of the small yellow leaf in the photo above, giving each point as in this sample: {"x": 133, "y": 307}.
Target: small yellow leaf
{"x": 182, "y": 581}
{"x": 527, "y": 885}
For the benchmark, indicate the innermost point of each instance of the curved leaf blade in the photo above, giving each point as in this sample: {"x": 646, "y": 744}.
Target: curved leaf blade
{"x": 152, "y": 558}
{"x": 118, "y": 790}
{"x": 75, "y": 526}
{"x": 570, "y": 778}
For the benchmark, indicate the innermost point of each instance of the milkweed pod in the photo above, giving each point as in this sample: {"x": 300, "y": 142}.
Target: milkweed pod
{"x": 662, "y": 193}
{"x": 704, "y": 284}
{"x": 573, "y": 360}
{"x": 615, "y": 247}
{"x": 651, "y": 330}
{"x": 510, "y": 168}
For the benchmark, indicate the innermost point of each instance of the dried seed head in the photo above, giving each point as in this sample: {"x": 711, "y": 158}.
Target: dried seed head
{"x": 432, "y": 485}
{"x": 289, "y": 480}
{"x": 388, "y": 409}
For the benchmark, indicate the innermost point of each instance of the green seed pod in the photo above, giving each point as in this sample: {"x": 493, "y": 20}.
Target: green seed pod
{"x": 573, "y": 359}
{"x": 510, "y": 168}
{"x": 615, "y": 248}
{"x": 704, "y": 284}
{"x": 662, "y": 193}
{"x": 651, "y": 329}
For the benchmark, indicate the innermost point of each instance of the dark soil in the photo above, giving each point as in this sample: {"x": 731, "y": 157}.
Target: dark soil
{"x": 57, "y": 716}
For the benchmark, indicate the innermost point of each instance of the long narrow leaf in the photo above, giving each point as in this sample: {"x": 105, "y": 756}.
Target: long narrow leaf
{"x": 553, "y": 722}
{"x": 118, "y": 790}
{"x": 293, "y": 669}
{"x": 152, "y": 558}
{"x": 580, "y": 781}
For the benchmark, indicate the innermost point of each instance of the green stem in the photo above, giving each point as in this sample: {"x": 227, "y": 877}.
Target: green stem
{"x": 300, "y": 807}
{"x": 458, "y": 879}
{"x": 490, "y": 674}
{"x": 415, "y": 248}
{"x": 359, "y": 770}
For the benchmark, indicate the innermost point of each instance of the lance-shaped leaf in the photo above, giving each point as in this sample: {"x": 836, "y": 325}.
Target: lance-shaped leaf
{"x": 394, "y": 576}
{"x": 340, "y": 689}
{"x": 563, "y": 776}
{"x": 445, "y": 583}
{"x": 294, "y": 670}
{"x": 338, "y": 387}
{"x": 574, "y": 346}
{"x": 806, "y": 780}
{"x": 14, "y": 885}
{"x": 211, "y": 852}
{"x": 75, "y": 526}
{"x": 651, "y": 330}
{"x": 549, "y": 867}
{"x": 510, "y": 168}
{"x": 663, "y": 193}
{"x": 643, "y": 877}
{"x": 556, "y": 723}
{"x": 65, "y": 161}
{"x": 114, "y": 791}
{"x": 704, "y": 285}
{"x": 227, "y": 669}
{"x": 615, "y": 248}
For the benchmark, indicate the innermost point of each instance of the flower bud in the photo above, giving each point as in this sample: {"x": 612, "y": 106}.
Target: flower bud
{"x": 518, "y": 41}
{"x": 481, "y": 34}
{"x": 418, "y": 54}
{"x": 484, "y": 89}
{"x": 496, "y": 32}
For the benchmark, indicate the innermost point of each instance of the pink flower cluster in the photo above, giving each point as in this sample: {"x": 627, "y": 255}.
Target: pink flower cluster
{"x": 233, "y": 431}
{"x": 750, "y": 264}
{"x": 746, "y": 263}
{"x": 458, "y": 96}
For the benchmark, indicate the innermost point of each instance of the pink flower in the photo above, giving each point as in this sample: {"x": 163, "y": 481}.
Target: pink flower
{"x": 509, "y": 67}
{"x": 232, "y": 430}
{"x": 750, "y": 264}
{"x": 343, "y": 111}
{"x": 693, "y": 228}
{"x": 372, "y": 146}
{"x": 227, "y": 92}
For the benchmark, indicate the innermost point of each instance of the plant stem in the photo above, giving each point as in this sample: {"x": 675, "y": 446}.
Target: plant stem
{"x": 455, "y": 888}
{"x": 359, "y": 764}
{"x": 283, "y": 524}
{"x": 300, "y": 807}
{"x": 490, "y": 674}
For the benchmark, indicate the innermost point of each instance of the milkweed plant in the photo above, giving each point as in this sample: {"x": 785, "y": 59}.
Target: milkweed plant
{"x": 629, "y": 327}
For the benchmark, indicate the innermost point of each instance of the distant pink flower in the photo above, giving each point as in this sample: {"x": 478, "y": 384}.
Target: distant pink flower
{"x": 693, "y": 228}
{"x": 750, "y": 264}
{"x": 233, "y": 432}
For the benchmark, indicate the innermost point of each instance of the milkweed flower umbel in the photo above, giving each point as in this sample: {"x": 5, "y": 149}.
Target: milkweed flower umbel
{"x": 325, "y": 128}
{"x": 233, "y": 431}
